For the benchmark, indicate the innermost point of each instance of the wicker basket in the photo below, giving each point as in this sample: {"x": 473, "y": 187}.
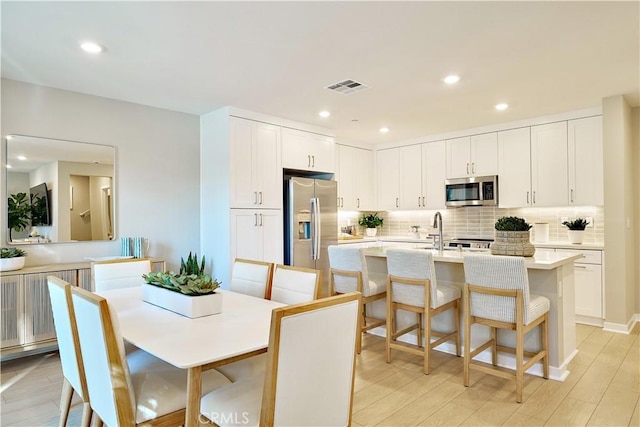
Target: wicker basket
{"x": 514, "y": 243}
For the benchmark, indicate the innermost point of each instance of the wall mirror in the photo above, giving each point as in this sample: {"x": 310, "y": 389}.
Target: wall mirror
{"x": 59, "y": 191}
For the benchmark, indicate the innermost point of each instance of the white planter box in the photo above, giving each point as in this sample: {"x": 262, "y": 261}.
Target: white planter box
{"x": 189, "y": 306}
{"x": 10, "y": 264}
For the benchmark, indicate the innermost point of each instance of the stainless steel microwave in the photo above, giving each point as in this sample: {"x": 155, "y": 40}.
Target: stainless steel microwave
{"x": 472, "y": 191}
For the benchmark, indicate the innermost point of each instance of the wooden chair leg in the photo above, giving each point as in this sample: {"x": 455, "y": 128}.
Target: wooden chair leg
{"x": 65, "y": 402}
{"x": 390, "y": 323}
{"x": 427, "y": 340}
{"x": 420, "y": 331}
{"x": 86, "y": 414}
{"x": 545, "y": 346}
{"x": 494, "y": 346}
{"x": 96, "y": 421}
{"x": 519, "y": 363}
{"x": 361, "y": 324}
{"x": 467, "y": 338}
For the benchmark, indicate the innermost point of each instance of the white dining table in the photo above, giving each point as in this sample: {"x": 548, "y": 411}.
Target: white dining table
{"x": 240, "y": 331}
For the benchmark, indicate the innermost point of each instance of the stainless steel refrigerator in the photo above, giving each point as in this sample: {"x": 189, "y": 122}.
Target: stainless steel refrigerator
{"x": 311, "y": 224}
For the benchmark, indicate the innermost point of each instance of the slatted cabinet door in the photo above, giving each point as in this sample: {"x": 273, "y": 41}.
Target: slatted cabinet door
{"x": 11, "y": 312}
{"x": 38, "y": 314}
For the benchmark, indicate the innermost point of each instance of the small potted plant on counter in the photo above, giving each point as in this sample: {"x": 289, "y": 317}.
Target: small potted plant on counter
{"x": 576, "y": 230}
{"x": 371, "y": 221}
{"x": 11, "y": 259}
{"x": 191, "y": 292}
{"x": 512, "y": 237}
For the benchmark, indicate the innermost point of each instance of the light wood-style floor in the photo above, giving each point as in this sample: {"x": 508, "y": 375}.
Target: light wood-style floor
{"x": 603, "y": 389}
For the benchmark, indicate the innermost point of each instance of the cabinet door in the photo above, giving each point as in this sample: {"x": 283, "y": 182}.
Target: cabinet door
{"x": 514, "y": 168}
{"x": 245, "y": 241}
{"x": 271, "y": 235}
{"x": 588, "y": 280}
{"x": 434, "y": 173}
{"x": 549, "y": 175}
{"x": 484, "y": 154}
{"x": 388, "y": 166}
{"x": 84, "y": 279}
{"x": 363, "y": 179}
{"x": 344, "y": 176}
{"x": 11, "y": 316}
{"x": 458, "y": 157}
{"x": 242, "y": 192}
{"x": 307, "y": 151}
{"x": 585, "y": 162}
{"x": 411, "y": 177}
{"x": 38, "y": 314}
{"x": 267, "y": 166}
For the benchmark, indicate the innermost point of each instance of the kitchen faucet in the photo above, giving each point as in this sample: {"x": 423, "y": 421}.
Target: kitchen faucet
{"x": 437, "y": 222}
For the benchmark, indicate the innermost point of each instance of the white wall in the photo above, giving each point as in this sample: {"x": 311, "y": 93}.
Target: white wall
{"x": 621, "y": 222}
{"x": 635, "y": 120}
{"x": 157, "y": 166}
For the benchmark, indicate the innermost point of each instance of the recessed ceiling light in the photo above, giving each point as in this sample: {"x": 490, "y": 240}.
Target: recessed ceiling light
{"x": 92, "y": 47}
{"x": 502, "y": 106}
{"x": 384, "y": 129}
{"x": 324, "y": 114}
{"x": 9, "y": 166}
{"x": 451, "y": 79}
{"x": 22, "y": 158}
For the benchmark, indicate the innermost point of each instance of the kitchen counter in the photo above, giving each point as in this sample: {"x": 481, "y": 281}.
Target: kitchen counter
{"x": 567, "y": 245}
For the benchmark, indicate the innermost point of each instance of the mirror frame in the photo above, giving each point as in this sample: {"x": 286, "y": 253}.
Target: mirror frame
{"x": 86, "y": 154}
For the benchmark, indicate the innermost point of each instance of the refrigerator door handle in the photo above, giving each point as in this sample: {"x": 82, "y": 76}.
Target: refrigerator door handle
{"x": 315, "y": 228}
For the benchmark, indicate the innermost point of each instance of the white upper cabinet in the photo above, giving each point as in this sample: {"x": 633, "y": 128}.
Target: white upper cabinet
{"x": 354, "y": 175}
{"x": 434, "y": 173}
{"x": 256, "y": 172}
{"x": 410, "y": 177}
{"x": 514, "y": 168}
{"x": 549, "y": 170}
{"x": 475, "y": 155}
{"x": 307, "y": 151}
{"x": 388, "y": 178}
{"x": 585, "y": 162}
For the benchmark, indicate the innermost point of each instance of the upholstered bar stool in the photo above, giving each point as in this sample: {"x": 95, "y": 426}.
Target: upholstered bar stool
{"x": 349, "y": 273}
{"x": 496, "y": 294}
{"x": 412, "y": 286}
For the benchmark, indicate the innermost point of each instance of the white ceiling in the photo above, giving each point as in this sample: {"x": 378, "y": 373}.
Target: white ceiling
{"x": 277, "y": 58}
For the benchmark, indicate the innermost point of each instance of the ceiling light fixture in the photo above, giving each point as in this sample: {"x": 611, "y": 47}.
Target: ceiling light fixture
{"x": 384, "y": 129}
{"x": 324, "y": 114}
{"x": 9, "y": 166}
{"x": 502, "y": 106}
{"x": 92, "y": 47}
{"x": 21, "y": 158}
{"x": 451, "y": 79}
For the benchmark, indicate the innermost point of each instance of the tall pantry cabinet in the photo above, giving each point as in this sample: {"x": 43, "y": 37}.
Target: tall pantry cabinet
{"x": 240, "y": 191}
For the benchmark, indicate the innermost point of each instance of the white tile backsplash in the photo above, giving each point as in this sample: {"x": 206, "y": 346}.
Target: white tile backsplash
{"x": 479, "y": 221}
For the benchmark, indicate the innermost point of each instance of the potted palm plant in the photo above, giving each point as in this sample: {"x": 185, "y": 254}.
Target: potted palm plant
{"x": 371, "y": 221}
{"x": 512, "y": 237}
{"x": 576, "y": 230}
{"x": 11, "y": 259}
{"x": 191, "y": 292}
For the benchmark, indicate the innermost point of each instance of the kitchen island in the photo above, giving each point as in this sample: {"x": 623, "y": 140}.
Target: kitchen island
{"x": 551, "y": 274}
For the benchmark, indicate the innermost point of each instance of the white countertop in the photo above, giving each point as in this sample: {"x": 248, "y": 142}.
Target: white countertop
{"x": 541, "y": 260}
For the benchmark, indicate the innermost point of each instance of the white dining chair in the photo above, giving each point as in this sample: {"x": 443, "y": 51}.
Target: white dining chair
{"x": 118, "y": 274}
{"x": 294, "y": 285}
{"x": 130, "y": 389}
{"x": 69, "y": 350}
{"x": 310, "y": 370}
{"x": 496, "y": 294}
{"x": 349, "y": 273}
{"x": 251, "y": 277}
{"x": 412, "y": 286}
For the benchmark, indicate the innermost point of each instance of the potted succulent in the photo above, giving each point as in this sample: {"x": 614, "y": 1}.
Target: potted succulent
{"x": 371, "y": 222}
{"x": 576, "y": 230}
{"x": 11, "y": 259}
{"x": 191, "y": 292}
{"x": 19, "y": 212}
{"x": 512, "y": 237}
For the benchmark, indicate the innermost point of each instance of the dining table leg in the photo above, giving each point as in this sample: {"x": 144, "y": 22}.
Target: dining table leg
{"x": 194, "y": 394}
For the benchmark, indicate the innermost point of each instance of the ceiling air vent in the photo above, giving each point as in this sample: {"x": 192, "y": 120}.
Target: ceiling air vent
{"x": 347, "y": 87}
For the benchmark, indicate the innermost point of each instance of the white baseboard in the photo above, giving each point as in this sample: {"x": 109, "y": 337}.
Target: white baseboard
{"x": 621, "y": 328}
{"x": 591, "y": 321}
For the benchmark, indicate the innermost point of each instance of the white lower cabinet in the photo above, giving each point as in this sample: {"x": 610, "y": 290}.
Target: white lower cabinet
{"x": 256, "y": 235}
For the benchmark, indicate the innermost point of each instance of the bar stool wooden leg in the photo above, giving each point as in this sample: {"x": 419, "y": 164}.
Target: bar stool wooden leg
{"x": 420, "y": 331}
{"x": 494, "y": 346}
{"x": 467, "y": 334}
{"x": 456, "y": 324}
{"x": 390, "y": 321}
{"x": 519, "y": 362}
{"x": 545, "y": 346}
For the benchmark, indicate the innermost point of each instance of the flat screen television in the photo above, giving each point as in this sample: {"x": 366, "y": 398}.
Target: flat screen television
{"x": 40, "y": 205}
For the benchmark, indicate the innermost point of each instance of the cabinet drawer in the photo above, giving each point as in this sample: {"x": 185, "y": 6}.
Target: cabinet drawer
{"x": 589, "y": 257}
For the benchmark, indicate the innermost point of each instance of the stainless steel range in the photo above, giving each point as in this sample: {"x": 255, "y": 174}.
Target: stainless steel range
{"x": 473, "y": 243}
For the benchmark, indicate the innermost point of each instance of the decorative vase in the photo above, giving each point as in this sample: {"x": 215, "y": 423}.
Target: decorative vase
{"x": 576, "y": 236}
{"x": 371, "y": 232}
{"x": 515, "y": 243}
{"x": 185, "y": 305}
{"x": 10, "y": 264}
